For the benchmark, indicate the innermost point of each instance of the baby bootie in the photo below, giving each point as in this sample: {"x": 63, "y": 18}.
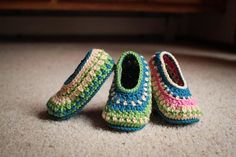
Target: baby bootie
{"x": 82, "y": 85}
{"x": 172, "y": 97}
{"x": 129, "y": 104}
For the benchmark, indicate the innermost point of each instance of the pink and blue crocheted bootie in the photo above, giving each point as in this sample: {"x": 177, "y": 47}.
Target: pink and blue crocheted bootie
{"x": 172, "y": 97}
{"x": 82, "y": 85}
{"x": 129, "y": 105}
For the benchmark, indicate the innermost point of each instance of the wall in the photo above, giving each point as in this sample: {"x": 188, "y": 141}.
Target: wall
{"x": 81, "y": 25}
{"x": 214, "y": 27}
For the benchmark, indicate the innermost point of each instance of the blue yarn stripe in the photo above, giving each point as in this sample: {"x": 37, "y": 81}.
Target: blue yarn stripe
{"x": 176, "y": 91}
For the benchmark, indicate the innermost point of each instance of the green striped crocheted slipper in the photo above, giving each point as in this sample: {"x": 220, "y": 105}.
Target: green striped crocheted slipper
{"x": 82, "y": 85}
{"x": 129, "y": 105}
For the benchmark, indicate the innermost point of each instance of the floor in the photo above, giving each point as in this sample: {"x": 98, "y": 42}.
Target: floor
{"x": 31, "y": 72}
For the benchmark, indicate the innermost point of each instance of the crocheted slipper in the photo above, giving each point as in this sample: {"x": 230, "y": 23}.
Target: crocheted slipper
{"x": 129, "y": 104}
{"x": 172, "y": 98}
{"x": 82, "y": 85}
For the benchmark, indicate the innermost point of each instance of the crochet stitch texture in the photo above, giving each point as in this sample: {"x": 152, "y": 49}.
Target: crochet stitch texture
{"x": 129, "y": 104}
{"x": 82, "y": 85}
{"x": 172, "y": 97}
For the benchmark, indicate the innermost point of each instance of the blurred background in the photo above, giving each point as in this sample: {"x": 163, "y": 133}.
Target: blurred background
{"x": 204, "y": 21}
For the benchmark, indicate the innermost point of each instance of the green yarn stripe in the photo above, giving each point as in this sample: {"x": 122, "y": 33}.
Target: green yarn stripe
{"x": 87, "y": 72}
{"x": 95, "y": 83}
{"x": 167, "y": 111}
{"x": 129, "y": 115}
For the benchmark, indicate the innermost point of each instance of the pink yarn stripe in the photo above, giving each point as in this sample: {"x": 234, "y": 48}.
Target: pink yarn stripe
{"x": 169, "y": 99}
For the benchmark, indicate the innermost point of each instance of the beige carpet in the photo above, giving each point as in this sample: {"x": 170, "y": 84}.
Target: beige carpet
{"x": 31, "y": 73}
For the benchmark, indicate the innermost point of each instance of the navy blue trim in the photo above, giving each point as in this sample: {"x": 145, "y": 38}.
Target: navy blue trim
{"x": 125, "y": 129}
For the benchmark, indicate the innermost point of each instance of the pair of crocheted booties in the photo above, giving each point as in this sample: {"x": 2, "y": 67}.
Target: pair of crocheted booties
{"x": 130, "y": 100}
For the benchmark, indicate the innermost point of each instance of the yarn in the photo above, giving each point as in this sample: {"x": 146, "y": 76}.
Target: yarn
{"x": 129, "y": 103}
{"x": 172, "y": 97}
{"x": 82, "y": 85}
